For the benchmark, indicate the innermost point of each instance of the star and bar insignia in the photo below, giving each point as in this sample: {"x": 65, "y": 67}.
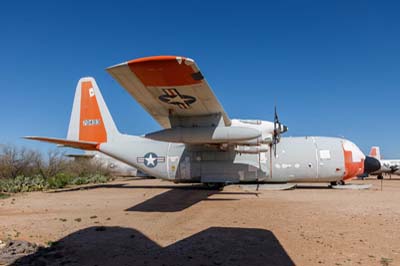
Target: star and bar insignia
{"x": 151, "y": 159}
{"x": 172, "y": 96}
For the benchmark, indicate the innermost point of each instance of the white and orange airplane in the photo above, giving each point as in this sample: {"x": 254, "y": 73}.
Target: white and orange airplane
{"x": 198, "y": 141}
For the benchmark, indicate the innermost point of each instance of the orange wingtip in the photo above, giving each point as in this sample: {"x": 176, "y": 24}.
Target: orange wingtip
{"x": 84, "y": 145}
{"x": 156, "y": 58}
{"x": 165, "y": 71}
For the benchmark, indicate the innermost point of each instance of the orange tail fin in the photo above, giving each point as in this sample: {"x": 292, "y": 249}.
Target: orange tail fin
{"x": 375, "y": 152}
{"x": 90, "y": 118}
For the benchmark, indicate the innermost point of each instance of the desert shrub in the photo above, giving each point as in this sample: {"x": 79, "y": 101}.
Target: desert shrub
{"x": 22, "y": 184}
{"x": 85, "y": 168}
{"x": 23, "y": 170}
{"x": 59, "y": 180}
{"x": 91, "y": 179}
{"x": 55, "y": 163}
{"x": 99, "y": 178}
{"x": 4, "y": 196}
{"x": 38, "y": 183}
{"x": 16, "y": 162}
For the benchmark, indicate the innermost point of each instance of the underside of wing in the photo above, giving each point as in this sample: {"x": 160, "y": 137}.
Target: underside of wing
{"x": 172, "y": 89}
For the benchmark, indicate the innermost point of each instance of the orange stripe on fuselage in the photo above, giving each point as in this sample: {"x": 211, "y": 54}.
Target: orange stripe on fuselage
{"x": 160, "y": 71}
{"x": 353, "y": 169}
{"x": 91, "y": 125}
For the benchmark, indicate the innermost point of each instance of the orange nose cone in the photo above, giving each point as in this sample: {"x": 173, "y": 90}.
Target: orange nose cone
{"x": 353, "y": 160}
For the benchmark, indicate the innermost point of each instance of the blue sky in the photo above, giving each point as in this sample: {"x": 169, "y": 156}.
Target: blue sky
{"x": 332, "y": 67}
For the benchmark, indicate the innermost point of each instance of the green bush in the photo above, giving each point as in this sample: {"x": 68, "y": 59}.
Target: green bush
{"x": 38, "y": 183}
{"x": 22, "y": 184}
{"x": 4, "y": 196}
{"x": 24, "y": 170}
{"x": 99, "y": 178}
{"x": 60, "y": 180}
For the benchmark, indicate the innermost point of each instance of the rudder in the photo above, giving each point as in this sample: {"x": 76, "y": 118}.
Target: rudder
{"x": 375, "y": 152}
{"x": 90, "y": 117}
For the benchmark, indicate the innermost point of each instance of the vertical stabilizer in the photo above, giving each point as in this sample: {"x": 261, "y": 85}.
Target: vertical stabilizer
{"x": 375, "y": 152}
{"x": 90, "y": 117}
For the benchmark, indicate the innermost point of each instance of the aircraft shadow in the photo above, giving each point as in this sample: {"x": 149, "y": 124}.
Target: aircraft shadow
{"x": 125, "y": 246}
{"x": 123, "y": 185}
{"x": 319, "y": 186}
{"x": 175, "y": 200}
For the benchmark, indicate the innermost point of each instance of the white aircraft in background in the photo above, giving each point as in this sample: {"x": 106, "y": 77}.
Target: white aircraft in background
{"x": 114, "y": 166}
{"x": 198, "y": 141}
{"x": 387, "y": 166}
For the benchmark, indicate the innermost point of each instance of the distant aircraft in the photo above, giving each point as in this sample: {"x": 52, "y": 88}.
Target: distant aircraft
{"x": 116, "y": 167}
{"x": 387, "y": 166}
{"x": 199, "y": 142}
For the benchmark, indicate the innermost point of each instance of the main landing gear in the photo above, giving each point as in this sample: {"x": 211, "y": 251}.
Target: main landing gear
{"x": 338, "y": 183}
{"x": 214, "y": 186}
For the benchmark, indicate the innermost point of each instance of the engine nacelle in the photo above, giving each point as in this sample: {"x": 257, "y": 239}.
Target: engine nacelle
{"x": 251, "y": 149}
{"x": 201, "y": 135}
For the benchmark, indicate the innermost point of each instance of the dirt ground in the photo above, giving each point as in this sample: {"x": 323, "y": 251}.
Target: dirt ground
{"x": 153, "y": 222}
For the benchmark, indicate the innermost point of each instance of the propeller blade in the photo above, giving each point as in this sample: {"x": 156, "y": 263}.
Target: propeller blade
{"x": 277, "y": 129}
{"x": 394, "y": 168}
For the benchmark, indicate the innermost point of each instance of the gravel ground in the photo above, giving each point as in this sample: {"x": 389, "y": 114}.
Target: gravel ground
{"x": 153, "y": 222}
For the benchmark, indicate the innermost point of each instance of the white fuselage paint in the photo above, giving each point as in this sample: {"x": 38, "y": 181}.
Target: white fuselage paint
{"x": 297, "y": 159}
{"x": 389, "y": 166}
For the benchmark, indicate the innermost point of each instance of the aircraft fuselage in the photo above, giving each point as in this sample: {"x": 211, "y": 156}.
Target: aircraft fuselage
{"x": 298, "y": 159}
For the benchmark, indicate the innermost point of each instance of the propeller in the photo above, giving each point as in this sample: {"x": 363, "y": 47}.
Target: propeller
{"x": 394, "y": 168}
{"x": 278, "y": 130}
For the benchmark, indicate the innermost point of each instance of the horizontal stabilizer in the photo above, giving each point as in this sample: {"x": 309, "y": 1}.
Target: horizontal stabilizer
{"x": 84, "y": 145}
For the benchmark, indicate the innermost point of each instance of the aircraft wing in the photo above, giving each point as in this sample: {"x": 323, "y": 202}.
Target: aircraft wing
{"x": 172, "y": 89}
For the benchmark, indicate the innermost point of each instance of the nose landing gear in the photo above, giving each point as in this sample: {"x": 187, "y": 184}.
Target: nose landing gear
{"x": 338, "y": 183}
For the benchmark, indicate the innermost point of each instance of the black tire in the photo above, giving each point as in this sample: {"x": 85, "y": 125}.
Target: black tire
{"x": 337, "y": 183}
{"x": 215, "y": 186}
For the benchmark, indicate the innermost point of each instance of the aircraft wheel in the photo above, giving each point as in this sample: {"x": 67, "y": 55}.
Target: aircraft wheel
{"x": 380, "y": 177}
{"x": 215, "y": 186}
{"x": 337, "y": 183}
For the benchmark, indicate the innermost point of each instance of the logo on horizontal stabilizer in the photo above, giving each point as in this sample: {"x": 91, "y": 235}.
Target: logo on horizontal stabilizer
{"x": 151, "y": 159}
{"x": 172, "y": 96}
